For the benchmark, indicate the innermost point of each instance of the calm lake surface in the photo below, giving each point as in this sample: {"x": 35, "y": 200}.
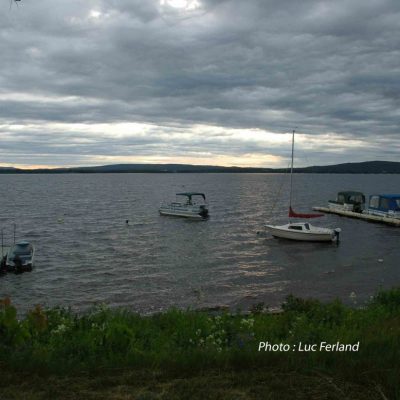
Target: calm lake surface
{"x": 86, "y": 255}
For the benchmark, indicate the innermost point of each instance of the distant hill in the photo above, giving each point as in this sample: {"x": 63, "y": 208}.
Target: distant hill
{"x": 8, "y": 170}
{"x": 368, "y": 167}
{"x": 137, "y": 168}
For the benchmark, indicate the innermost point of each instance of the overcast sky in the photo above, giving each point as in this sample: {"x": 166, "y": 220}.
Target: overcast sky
{"x": 199, "y": 81}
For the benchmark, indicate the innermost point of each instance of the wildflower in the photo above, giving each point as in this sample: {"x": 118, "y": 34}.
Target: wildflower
{"x": 247, "y": 323}
{"x": 102, "y": 307}
{"x": 60, "y": 329}
{"x": 353, "y": 297}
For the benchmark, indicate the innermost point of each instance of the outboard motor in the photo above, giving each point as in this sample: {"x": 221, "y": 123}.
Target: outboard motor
{"x": 337, "y": 234}
{"x": 203, "y": 211}
{"x": 3, "y": 265}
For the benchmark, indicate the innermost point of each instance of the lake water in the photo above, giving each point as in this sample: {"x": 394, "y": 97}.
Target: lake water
{"x": 85, "y": 253}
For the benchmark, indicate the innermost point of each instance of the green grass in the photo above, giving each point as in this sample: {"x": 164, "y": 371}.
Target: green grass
{"x": 164, "y": 355}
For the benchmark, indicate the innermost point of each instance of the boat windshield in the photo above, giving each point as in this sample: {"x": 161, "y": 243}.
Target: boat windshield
{"x": 307, "y": 226}
{"x": 357, "y": 199}
{"x": 340, "y": 198}
{"x": 21, "y": 251}
{"x": 22, "y": 257}
{"x": 296, "y": 227}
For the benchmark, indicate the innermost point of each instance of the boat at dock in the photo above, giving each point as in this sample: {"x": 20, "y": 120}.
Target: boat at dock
{"x": 384, "y": 205}
{"x": 348, "y": 201}
{"x": 188, "y": 208}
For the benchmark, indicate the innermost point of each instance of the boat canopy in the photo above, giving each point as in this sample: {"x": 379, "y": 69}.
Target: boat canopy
{"x": 350, "y": 197}
{"x": 22, "y": 243}
{"x": 385, "y": 202}
{"x": 191, "y": 194}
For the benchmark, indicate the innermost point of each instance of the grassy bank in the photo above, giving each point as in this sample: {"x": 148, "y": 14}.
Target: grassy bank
{"x": 159, "y": 356}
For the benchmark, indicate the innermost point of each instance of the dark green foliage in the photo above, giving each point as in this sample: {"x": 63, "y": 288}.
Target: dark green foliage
{"x": 185, "y": 342}
{"x": 390, "y": 299}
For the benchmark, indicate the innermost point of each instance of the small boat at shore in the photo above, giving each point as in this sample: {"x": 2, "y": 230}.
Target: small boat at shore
{"x": 188, "y": 208}
{"x": 384, "y": 205}
{"x": 348, "y": 201}
{"x": 20, "y": 257}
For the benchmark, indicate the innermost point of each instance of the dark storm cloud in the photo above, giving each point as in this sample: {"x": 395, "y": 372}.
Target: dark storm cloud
{"x": 326, "y": 67}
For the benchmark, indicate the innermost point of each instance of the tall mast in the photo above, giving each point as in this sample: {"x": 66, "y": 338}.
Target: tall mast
{"x": 291, "y": 172}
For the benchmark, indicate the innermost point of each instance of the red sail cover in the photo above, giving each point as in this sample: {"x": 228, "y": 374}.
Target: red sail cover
{"x": 292, "y": 214}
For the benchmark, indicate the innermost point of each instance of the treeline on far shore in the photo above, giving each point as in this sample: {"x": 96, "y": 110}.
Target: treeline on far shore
{"x": 186, "y": 343}
{"x": 368, "y": 167}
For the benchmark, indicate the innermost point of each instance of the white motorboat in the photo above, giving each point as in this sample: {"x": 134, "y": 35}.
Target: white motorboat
{"x": 188, "y": 208}
{"x": 348, "y": 201}
{"x": 20, "y": 257}
{"x": 302, "y": 231}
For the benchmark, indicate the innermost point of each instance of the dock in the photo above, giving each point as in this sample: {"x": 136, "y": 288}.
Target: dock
{"x": 365, "y": 217}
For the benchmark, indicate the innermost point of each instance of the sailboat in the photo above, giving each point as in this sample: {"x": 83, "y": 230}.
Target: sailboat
{"x": 302, "y": 231}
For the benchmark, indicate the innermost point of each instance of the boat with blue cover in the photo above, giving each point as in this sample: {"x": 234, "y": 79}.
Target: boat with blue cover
{"x": 384, "y": 205}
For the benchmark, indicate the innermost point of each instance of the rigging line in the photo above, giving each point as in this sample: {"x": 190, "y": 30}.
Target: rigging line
{"x": 291, "y": 171}
{"x": 291, "y": 176}
{"x": 278, "y": 193}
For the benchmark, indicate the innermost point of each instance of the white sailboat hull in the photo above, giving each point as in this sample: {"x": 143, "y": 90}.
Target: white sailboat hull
{"x": 315, "y": 234}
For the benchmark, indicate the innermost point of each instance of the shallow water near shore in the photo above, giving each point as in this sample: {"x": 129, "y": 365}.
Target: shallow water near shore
{"x": 86, "y": 254}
